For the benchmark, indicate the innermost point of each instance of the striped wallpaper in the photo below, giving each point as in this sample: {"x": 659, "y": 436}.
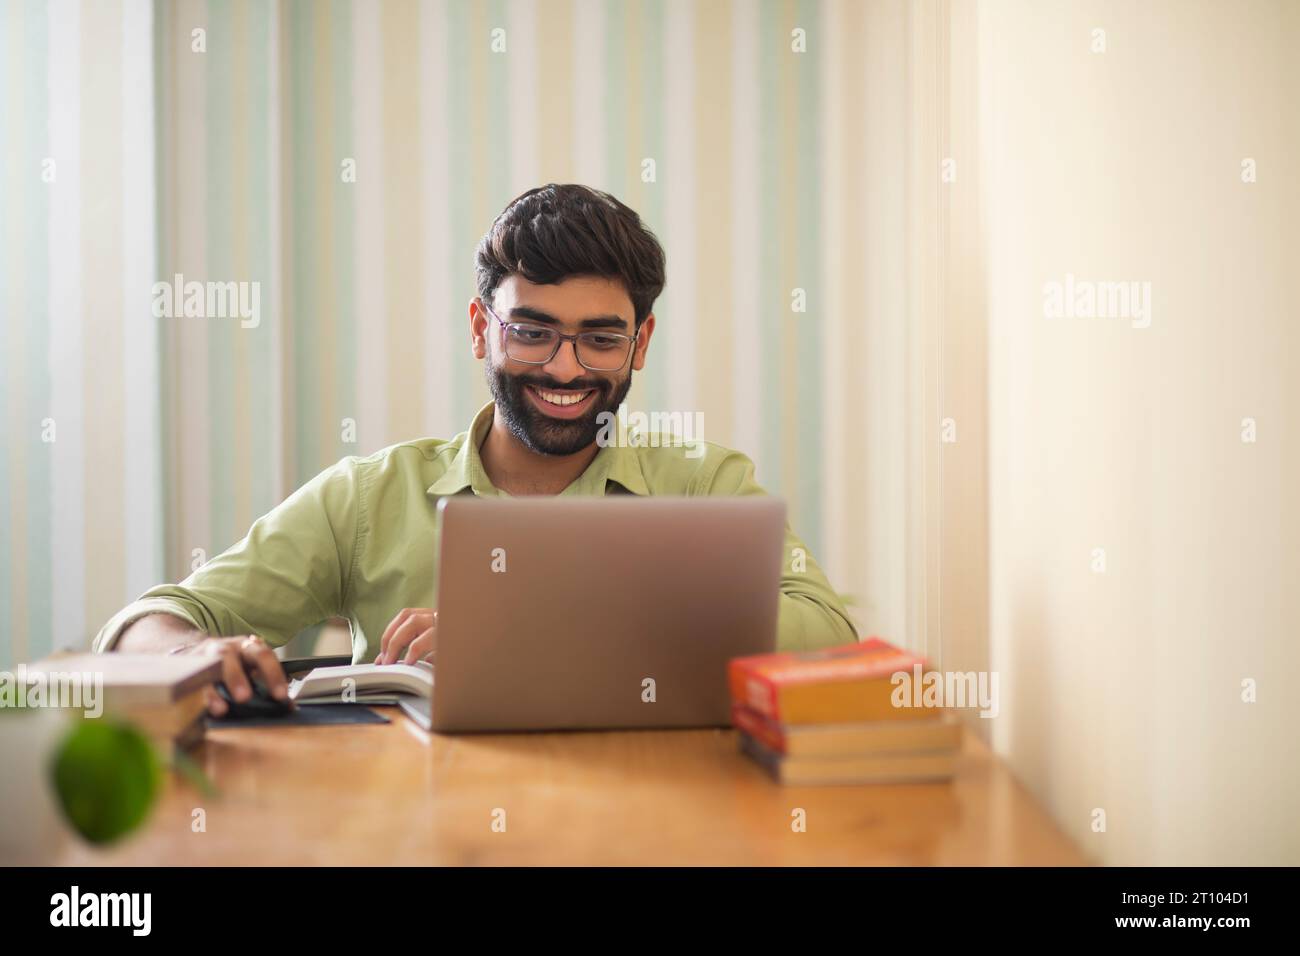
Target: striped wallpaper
{"x": 81, "y": 517}
{"x": 215, "y": 140}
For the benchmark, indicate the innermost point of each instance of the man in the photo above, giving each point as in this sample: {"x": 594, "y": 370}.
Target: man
{"x": 567, "y": 278}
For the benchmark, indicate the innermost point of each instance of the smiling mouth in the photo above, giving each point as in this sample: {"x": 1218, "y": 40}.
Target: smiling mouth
{"x": 561, "y": 398}
{"x": 563, "y": 403}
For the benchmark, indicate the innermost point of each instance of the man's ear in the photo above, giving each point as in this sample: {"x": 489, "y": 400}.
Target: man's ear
{"x": 478, "y": 328}
{"x": 643, "y": 342}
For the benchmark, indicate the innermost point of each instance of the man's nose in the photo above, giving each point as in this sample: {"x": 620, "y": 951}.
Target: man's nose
{"x": 564, "y": 365}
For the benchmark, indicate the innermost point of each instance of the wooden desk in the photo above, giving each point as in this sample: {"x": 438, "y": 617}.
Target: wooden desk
{"x": 391, "y": 794}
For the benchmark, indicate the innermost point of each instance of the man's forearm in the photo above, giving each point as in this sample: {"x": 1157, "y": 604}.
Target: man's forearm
{"x": 157, "y": 634}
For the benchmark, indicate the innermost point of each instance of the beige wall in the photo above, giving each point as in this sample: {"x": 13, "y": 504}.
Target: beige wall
{"x": 1122, "y": 690}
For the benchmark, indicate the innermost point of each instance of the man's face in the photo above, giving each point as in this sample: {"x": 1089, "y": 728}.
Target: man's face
{"x": 554, "y": 409}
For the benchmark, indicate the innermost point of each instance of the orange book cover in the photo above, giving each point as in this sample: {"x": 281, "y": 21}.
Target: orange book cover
{"x": 852, "y": 682}
{"x": 943, "y": 732}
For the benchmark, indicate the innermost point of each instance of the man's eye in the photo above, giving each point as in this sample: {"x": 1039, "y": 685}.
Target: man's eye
{"x": 525, "y": 334}
{"x": 596, "y": 340}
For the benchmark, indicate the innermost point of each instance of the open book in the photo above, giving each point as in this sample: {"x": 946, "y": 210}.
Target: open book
{"x": 363, "y": 684}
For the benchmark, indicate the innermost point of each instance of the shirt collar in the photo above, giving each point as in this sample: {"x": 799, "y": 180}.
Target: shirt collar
{"x": 617, "y": 463}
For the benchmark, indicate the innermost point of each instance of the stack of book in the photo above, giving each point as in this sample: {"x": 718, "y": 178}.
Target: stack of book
{"x": 838, "y": 716}
{"x": 164, "y": 697}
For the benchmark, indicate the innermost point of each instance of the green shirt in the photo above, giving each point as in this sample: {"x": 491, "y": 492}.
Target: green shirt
{"x": 354, "y": 542}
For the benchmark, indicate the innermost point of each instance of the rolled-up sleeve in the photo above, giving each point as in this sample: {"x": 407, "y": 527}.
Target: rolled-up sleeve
{"x": 811, "y": 614}
{"x": 291, "y": 570}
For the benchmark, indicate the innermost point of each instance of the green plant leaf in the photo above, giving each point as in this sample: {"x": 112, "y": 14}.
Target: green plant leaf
{"x": 107, "y": 778}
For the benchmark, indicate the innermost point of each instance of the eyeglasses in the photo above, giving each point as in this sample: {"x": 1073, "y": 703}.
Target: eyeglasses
{"x": 596, "y": 350}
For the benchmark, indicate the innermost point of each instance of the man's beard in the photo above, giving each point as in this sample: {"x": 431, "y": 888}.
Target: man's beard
{"x": 539, "y": 432}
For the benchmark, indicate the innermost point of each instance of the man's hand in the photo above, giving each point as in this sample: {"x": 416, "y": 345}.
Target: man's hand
{"x": 412, "y": 632}
{"x": 240, "y": 658}
{"x": 166, "y": 634}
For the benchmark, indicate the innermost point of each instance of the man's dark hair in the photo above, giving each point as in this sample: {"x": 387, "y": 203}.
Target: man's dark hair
{"x": 556, "y": 231}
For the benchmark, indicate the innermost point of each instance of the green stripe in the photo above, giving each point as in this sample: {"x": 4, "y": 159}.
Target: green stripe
{"x": 464, "y": 233}
{"x": 305, "y": 357}
{"x": 497, "y": 95}
{"x": 811, "y": 350}
{"x": 653, "y": 207}
{"x": 774, "y": 298}
{"x": 9, "y": 253}
{"x": 175, "y": 564}
{"x": 616, "y": 175}
{"x": 344, "y": 197}
{"x": 500, "y": 146}
{"x": 219, "y": 267}
{"x": 40, "y": 504}
{"x": 262, "y": 368}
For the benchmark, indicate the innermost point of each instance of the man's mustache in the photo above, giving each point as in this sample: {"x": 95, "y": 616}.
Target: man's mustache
{"x": 576, "y": 385}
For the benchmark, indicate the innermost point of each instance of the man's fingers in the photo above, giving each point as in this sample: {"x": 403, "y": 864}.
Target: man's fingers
{"x": 216, "y": 706}
{"x": 420, "y": 647}
{"x": 260, "y": 658}
{"x": 232, "y": 673}
{"x": 393, "y": 625}
{"x": 410, "y": 629}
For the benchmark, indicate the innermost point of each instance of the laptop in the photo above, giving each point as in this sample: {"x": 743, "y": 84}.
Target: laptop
{"x": 599, "y": 613}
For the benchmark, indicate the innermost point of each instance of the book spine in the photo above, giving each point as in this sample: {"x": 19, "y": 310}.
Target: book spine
{"x": 758, "y": 727}
{"x": 769, "y": 761}
{"x": 754, "y": 690}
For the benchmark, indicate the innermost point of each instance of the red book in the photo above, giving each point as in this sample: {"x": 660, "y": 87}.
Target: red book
{"x": 846, "y": 684}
